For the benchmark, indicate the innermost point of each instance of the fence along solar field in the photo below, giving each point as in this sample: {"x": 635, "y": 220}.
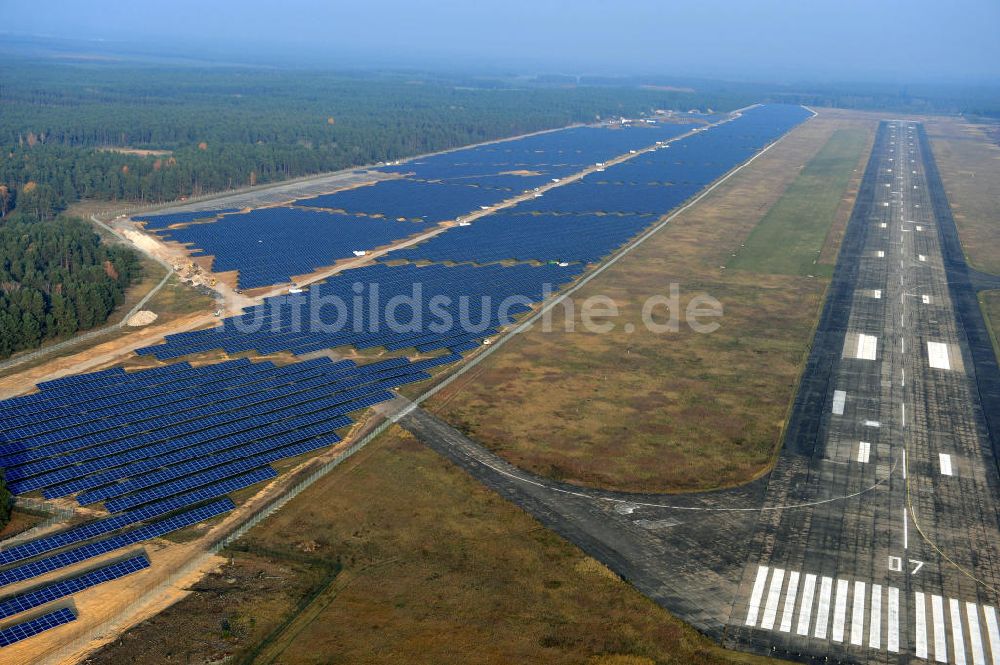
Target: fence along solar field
{"x": 163, "y": 448}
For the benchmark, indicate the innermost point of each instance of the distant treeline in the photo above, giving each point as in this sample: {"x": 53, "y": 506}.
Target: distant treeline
{"x": 56, "y": 277}
{"x": 64, "y": 128}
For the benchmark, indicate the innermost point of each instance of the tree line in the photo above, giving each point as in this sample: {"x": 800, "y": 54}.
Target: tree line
{"x": 57, "y": 278}
{"x": 72, "y": 132}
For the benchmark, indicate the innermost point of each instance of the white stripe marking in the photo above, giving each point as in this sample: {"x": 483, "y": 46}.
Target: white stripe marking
{"x": 957, "y": 637}
{"x": 773, "y": 595}
{"x": 945, "y": 462}
{"x": 755, "y": 594}
{"x": 940, "y": 643}
{"x": 789, "y": 609}
{"x": 881, "y": 254}
{"x": 993, "y": 631}
{"x": 867, "y": 347}
{"x": 975, "y": 635}
{"x": 839, "y": 398}
{"x": 892, "y": 636}
{"x": 864, "y": 451}
{"x": 805, "y": 609}
{"x": 858, "y": 614}
{"x": 823, "y": 610}
{"x": 839, "y": 611}
{"x": 919, "y": 608}
{"x": 875, "y": 618}
{"x": 937, "y": 355}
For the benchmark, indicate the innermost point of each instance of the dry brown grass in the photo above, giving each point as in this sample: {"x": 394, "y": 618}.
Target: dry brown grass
{"x": 433, "y": 568}
{"x": 969, "y": 161}
{"x": 663, "y": 412}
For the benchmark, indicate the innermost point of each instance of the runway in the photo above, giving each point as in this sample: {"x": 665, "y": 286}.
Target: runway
{"x": 875, "y": 539}
{"x": 908, "y": 571}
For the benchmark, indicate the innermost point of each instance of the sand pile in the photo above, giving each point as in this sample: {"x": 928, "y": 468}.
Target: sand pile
{"x": 143, "y": 318}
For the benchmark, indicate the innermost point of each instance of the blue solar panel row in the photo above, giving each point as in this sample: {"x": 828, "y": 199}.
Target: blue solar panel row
{"x": 76, "y": 534}
{"x": 23, "y": 631}
{"x": 271, "y": 245}
{"x": 156, "y": 407}
{"x": 258, "y": 449}
{"x": 91, "y": 445}
{"x": 550, "y": 154}
{"x": 164, "y": 220}
{"x": 216, "y": 473}
{"x": 97, "y": 548}
{"x": 429, "y": 202}
{"x": 291, "y": 408}
{"x": 63, "y": 588}
{"x": 150, "y": 406}
{"x": 588, "y": 219}
{"x": 543, "y": 237}
{"x": 452, "y": 304}
{"x": 113, "y": 523}
{"x": 95, "y": 474}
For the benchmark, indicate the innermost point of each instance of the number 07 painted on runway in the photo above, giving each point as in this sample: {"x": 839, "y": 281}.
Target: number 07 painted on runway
{"x": 896, "y": 565}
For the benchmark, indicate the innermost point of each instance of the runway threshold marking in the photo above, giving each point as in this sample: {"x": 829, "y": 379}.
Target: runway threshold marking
{"x": 944, "y": 632}
{"x": 975, "y": 635}
{"x": 789, "y": 608}
{"x": 758, "y": 590}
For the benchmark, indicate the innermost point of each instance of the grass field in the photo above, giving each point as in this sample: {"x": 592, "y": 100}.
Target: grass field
{"x": 989, "y": 301}
{"x": 678, "y": 411}
{"x": 397, "y": 556}
{"x": 969, "y": 162}
{"x": 790, "y": 237}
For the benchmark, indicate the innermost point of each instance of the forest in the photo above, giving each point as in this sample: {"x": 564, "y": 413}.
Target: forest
{"x": 56, "y": 278}
{"x": 151, "y": 134}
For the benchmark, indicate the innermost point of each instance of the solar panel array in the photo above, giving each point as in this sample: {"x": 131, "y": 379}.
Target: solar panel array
{"x": 449, "y": 307}
{"x": 160, "y": 447}
{"x": 271, "y": 245}
{"x": 163, "y": 447}
{"x": 24, "y": 630}
{"x": 542, "y": 237}
{"x": 63, "y": 588}
{"x": 136, "y": 433}
{"x": 424, "y": 201}
{"x": 588, "y": 219}
{"x": 97, "y": 548}
{"x": 537, "y": 158}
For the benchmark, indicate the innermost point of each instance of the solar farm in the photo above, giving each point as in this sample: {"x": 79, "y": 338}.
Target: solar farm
{"x": 146, "y": 453}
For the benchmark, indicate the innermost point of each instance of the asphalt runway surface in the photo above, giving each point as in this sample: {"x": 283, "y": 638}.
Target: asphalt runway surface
{"x": 876, "y": 539}
{"x": 909, "y": 570}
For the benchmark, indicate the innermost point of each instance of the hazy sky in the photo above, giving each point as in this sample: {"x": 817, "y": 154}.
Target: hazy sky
{"x": 775, "y": 40}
